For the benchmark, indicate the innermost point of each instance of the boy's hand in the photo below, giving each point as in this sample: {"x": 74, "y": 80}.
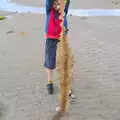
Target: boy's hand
{"x": 66, "y": 29}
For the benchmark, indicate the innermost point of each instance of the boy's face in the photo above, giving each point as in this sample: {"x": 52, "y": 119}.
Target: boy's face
{"x": 56, "y": 5}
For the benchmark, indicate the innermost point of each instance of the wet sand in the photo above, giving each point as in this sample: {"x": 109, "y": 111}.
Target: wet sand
{"x": 3, "y": 13}
{"x": 95, "y": 43}
{"x": 78, "y": 4}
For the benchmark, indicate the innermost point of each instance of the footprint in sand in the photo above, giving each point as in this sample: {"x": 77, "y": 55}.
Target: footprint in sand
{"x": 2, "y": 110}
{"x": 116, "y": 3}
{"x": 83, "y": 18}
{"x": 9, "y": 32}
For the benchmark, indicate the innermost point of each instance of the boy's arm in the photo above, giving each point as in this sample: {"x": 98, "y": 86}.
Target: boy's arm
{"x": 48, "y": 5}
{"x": 67, "y": 7}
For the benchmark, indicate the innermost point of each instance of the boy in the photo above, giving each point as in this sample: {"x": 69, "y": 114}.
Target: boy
{"x": 53, "y": 30}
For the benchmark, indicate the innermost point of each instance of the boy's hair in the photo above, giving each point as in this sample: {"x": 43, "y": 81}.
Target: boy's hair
{"x": 54, "y": 1}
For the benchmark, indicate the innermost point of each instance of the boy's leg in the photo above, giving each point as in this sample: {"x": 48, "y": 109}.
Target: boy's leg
{"x": 50, "y": 75}
{"x": 50, "y": 82}
{"x": 50, "y": 61}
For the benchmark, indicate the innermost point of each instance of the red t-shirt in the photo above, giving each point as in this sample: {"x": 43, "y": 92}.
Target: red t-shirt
{"x": 54, "y": 28}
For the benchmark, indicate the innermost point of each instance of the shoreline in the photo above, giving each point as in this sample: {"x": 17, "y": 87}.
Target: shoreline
{"x": 29, "y": 3}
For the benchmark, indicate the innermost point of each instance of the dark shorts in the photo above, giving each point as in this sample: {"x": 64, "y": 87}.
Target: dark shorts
{"x": 50, "y": 53}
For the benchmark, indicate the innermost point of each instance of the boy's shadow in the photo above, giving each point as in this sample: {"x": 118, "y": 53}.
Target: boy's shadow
{"x": 56, "y": 89}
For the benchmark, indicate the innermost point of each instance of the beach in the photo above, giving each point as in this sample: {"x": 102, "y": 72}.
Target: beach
{"x": 77, "y": 4}
{"x": 95, "y": 44}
